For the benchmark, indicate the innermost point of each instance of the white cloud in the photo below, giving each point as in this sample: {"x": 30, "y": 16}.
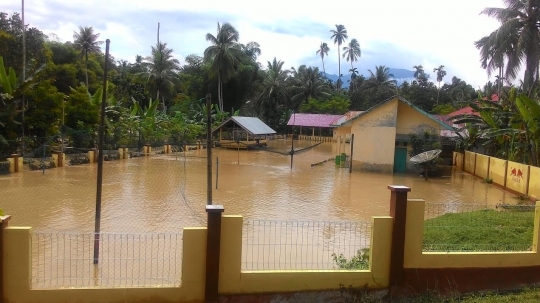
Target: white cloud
{"x": 395, "y": 33}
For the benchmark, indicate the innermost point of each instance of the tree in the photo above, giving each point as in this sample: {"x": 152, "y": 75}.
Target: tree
{"x": 274, "y": 96}
{"x": 160, "y": 71}
{"x": 323, "y": 51}
{"x": 381, "y": 80}
{"x": 440, "y": 75}
{"x": 252, "y": 50}
{"x": 339, "y": 35}
{"x": 306, "y": 83}
{"x": 223, "y": 54}
{"x": 86, "y": 41}
{"x": 518, "y": 38}
{"x": 352, "y": 52}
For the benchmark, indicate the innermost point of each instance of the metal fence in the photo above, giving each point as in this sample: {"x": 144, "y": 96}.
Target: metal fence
{"x": 465, "y": 227}
{"x": 65, "y": 260}
{"x": 305, "y": 245}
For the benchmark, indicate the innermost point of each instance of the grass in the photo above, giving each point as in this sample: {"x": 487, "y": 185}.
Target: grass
{"x": 484, "y": 230}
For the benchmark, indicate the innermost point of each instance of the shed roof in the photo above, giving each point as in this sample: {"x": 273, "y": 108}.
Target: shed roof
{"x": 312, "y": 120}
{"x": 444, "y": 125}
{"x": 252, "y": 125}
{"x": 345, "y": 118}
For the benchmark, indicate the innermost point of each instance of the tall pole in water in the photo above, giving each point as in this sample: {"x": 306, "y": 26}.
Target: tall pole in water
{"x": 100, "y": 156}
{"x": 209, "y": 149}
{"x": 23, "y": 76}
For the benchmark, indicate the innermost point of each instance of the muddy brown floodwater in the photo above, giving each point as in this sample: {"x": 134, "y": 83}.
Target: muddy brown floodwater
{"x": 163, "y": 193}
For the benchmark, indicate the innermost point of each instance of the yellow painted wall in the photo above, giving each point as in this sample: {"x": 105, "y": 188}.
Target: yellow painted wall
{"x": 517, "y": 175}
{"x": 233, "y": 280}
{"x": 17, "y": 273}
{"x": 415, "y": 258}
{"x": 534, "y": 182}
{"x": 469, "y": 159}
{"x": 497, "y": 170}
{"x": 375, "y": 136}
{"x": 457, "y": 160}
{"x": 410, "y": 120}
{"x": 482, "y": 166}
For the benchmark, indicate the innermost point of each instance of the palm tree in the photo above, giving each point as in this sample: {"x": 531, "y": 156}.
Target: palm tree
{"x": 274, "y": 95}
{"x": 419, "y": 71}
{"x": 440, "y": 75}
{"x": 306, "y": 83}
{"x": 86, "y": 41}
{"x": 252, "y": 50}
{"x": 160, "y": 71}
{"x": 381, "y": 80}
{"x": 339, "y": 35}
{"x": 518, "y": 37}
{"x": 323, "y": 51}
{"x": 354, "y": 74}
{"x": 224, "y": 55}
{"x": 352, "y": 52}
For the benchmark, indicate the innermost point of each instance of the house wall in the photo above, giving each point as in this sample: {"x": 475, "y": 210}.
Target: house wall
{"x": 375, "y": 136}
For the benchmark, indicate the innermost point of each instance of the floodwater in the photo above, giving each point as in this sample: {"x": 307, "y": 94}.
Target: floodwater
{"x": 294, "y": 218}
{"x": 163, "y": 193}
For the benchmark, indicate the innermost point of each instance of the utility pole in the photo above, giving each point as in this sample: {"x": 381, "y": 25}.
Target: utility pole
{"x": 23, "y": 77}
{"x": 209, "y": 148}
{"x": 100, "y": 156}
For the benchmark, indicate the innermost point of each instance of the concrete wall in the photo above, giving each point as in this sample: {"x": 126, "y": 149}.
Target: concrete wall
{"x": 375, "y": 136}
{"x": 18, "y": 268}
{"x": 517, "y": 177}
{"x": 235, "y": 281}
{"x": 482, "y": 166}
{"x": 411, "y": 121}
{"x": 470, "y": 161}
{"x": 497, "y": 171}
{"x": 458, "y": 160}
{"x": 534, "y": 182}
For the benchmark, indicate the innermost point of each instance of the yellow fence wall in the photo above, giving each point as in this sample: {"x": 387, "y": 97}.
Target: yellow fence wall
{"x": 469, "y": 159}
{"x": 497, "y": 171}
{"x": 482, "y": 166}
{"x": 517, "y": 177}
{"x": 18, "y": 268}
{"x": 458, "y": 160}
{"x": 534, "y": 182}
{"x": 415, "y": 258}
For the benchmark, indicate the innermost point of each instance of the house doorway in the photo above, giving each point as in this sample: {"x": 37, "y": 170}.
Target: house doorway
{"x": 400, "y": 160}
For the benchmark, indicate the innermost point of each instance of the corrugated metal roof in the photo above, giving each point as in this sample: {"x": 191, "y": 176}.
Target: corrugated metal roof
{"x": 252, "y": 125}
{"x": 312, "y": 120}
{"x": 348, "y": 116}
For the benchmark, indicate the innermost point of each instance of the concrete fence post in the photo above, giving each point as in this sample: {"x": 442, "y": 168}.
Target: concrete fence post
{"x": 3, "y": 224}
{"x": 95, "y": 153}
{"x": 213, "y": 246}
{"x": 398, "y": 211}
{"x": 58, "y": 158}
{"x": 14, "y": 163}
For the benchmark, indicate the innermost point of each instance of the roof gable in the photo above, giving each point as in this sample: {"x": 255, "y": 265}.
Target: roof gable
{"x": 252, "y": 125}
{"x": 444, "y": 125}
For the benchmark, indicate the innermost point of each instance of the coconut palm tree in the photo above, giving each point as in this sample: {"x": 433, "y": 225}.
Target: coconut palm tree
{"x": 518, "y": 36}
{"x": 381, "y": 80}
{"x": 354, "y": 74}
{"x": 323, "y": 51}
{"x": 352, "y": 51}
{"x": 86, "y": 41}
{"x": 419, "y": 71}
{"x": 160, "y": 71}
{"x": 224, "y": 55}
{"x": 274, "y": 96}
{"x": 306, "y": 83}
{"x": 252, "y": 50}
{"x": 339, "y": 35}
{"x": 440, "y": 75}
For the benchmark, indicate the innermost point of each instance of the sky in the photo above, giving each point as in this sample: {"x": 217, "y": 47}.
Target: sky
{"x": 394, "y": 33}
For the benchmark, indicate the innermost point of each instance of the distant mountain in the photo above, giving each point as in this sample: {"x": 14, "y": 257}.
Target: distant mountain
{"x": 400, "y": 75}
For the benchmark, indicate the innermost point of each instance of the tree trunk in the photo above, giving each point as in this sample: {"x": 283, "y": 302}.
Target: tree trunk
{"x": 86, "y": 70}
{"x": 220, "y": 93}
{"x": 339, "y": 67}
{"x": 324, "y": 70}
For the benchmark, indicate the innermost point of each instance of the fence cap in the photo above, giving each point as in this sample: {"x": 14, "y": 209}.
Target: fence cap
{"x": 215, "y": 208}
{"x": 4, "y": 218}
{"x": 399, "y": 188}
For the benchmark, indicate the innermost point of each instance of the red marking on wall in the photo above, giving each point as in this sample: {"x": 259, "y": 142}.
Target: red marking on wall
{"x": 519, "y": 173}
{"x": 513, "y": 172}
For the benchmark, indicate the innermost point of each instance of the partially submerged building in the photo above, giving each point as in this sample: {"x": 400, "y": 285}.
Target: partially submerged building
{"x": 382, "y": 134}
{"x": 307, "y": 124}
{"x": 243, "y": 133}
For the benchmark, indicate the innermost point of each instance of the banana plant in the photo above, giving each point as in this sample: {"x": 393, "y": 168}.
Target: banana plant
{"x": 530, "y": 114}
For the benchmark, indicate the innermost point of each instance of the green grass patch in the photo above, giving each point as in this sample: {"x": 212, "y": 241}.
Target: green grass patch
{"x": 484, "y": 230}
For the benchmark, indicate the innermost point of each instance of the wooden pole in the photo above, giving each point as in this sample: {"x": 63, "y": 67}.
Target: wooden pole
{"x": 398, "y": 211}
{"x": 217, "y": 171}
{"x": 352, "y": 149}
{"x": 97, "y": 227}
{"x": 213, "y": 245}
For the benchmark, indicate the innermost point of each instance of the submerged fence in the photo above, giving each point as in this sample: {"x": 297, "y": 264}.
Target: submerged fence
{"x": 478, "y": 227}
{"x": 65, "y": 260}
{"x": 303, "y": 245}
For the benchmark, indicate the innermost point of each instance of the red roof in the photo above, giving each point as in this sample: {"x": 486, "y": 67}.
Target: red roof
{"x": 464, "y": 111}
{"x": 312, "y": 120}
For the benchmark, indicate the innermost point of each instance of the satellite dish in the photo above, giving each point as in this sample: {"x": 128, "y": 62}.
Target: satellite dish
{"x": 426, "y": 156}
